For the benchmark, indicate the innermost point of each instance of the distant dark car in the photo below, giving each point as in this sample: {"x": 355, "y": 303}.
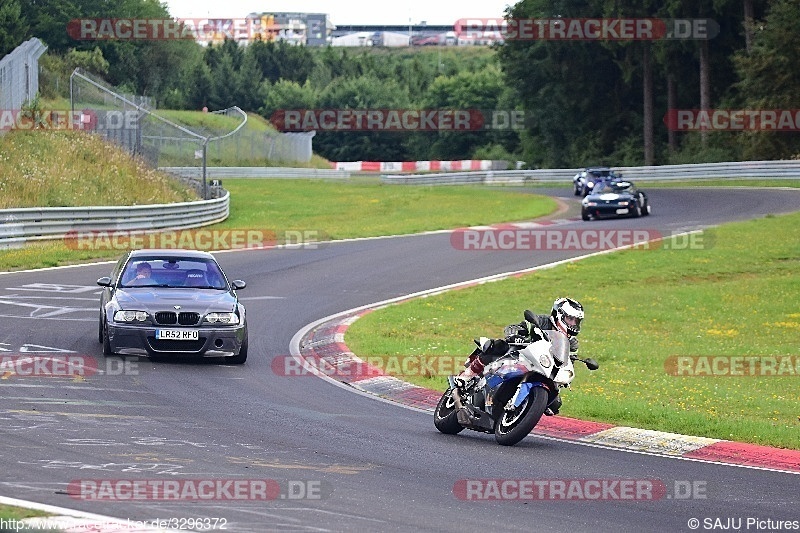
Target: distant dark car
{"x": 165, "y": 303}
{"x": 615, "y": 198}
{"x": 584, "y": 181}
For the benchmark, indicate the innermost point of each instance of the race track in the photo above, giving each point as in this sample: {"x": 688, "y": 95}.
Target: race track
{"x": 374, "y": 466}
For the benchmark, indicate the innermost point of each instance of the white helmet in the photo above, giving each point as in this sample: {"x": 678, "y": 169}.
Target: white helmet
{"x": 567, "y": 316}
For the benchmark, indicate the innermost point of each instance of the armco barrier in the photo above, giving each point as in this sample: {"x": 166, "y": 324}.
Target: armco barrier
{"x": 48, "y": 223}
{"x": 256, "y": 172}
{"x": 421, "y": 166}
{"x": 786, "y": 169}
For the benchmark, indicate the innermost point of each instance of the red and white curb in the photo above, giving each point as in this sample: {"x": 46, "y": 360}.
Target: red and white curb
{"x": 324, "y": 343}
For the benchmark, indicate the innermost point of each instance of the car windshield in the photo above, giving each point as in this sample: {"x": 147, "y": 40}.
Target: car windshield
{"x": 613, "y": 187}
{"x": 173, "y": 272}
{"x": 600, "y": 172}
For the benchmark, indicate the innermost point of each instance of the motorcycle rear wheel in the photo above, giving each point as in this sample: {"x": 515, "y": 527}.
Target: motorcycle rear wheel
{"x": 513, "y": 426}
{"x": 444, "y": 417}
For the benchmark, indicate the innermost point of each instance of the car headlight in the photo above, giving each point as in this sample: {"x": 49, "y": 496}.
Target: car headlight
{"x": 222, "y": 318}
{"x": 591, "y": 204}
{"x": 130, "y": 316}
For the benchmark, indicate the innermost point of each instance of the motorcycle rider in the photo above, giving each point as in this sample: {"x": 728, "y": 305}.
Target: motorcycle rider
{"x": 566, "y": 317}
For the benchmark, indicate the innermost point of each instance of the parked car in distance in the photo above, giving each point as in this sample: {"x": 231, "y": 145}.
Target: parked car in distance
{"x": 168, "y": 303}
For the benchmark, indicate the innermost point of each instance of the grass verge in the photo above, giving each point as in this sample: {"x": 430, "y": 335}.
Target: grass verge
{"x": 332, "y": 209}
{"x": 738, "y": 297}
{"x": 70, "y": 168}
{"x": 11, "y": 516}
{"x": 366, "y": 208}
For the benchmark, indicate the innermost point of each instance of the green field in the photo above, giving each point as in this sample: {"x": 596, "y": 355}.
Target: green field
{"x": 739, "y": 297}
{"x": 367, "y": 208}
{"x": 332, "y": 210}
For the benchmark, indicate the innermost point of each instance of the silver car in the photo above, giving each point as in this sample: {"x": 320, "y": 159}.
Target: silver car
{"x": 165, "y": 303}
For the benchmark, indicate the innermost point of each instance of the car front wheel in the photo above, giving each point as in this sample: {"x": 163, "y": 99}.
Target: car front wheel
{"x": 241, "y": 357}
{"x": 106, "y": 343}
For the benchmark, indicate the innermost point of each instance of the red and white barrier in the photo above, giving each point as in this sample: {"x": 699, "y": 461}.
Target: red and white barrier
{"x": 416, "y": 166}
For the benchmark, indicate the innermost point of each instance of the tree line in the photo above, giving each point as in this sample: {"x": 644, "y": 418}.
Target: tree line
{"x": 584, "y": 101}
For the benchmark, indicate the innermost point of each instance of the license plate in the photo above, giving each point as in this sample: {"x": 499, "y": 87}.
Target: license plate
{"x": 177, "y": 334}
{"x": 622, "y": 211}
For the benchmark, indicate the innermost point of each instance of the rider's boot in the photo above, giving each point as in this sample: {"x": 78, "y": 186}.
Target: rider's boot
{"x": 472, "y": 371}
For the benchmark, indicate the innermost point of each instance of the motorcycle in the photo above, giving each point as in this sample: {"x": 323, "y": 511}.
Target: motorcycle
{"x": 514, "y": 390}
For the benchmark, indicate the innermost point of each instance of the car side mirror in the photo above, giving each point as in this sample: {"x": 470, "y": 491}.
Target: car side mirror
{"x": 105, "y": 281}
{"x": 238, "y": 284}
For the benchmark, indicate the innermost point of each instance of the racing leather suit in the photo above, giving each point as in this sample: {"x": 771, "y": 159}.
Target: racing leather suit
{"x": 519, "y": 333}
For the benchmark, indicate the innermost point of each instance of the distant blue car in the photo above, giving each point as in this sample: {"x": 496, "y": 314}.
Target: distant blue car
{"x": 584, "y": 181}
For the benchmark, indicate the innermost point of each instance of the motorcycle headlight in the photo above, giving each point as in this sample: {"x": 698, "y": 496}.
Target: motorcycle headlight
{"x": 545, "y": 361}
{"x": 130, "y": 316}
{"x": 590, "y": 183}
{"x": 222, "y": 318}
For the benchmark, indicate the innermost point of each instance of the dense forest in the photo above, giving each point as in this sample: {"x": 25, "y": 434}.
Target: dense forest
{"x": 584, "y": 101}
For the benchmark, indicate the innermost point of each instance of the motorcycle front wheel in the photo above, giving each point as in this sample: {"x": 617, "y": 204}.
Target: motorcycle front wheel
{"x": 514, "y": 425}
{"x": 444, "y": 417}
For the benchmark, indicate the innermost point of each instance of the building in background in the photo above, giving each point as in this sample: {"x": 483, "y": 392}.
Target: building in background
{"x": 316, "y": 29}
{"x": 312, "y": 29}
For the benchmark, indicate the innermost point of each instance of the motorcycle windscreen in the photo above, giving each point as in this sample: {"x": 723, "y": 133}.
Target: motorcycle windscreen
{"x": 559, "y": 346}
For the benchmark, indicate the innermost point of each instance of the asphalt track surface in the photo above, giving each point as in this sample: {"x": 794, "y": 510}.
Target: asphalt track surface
{"x": 370, "y": 466}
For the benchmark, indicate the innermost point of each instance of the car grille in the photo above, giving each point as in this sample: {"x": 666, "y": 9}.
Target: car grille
{"x": 169, "y": 345}
{"x": 184, "y": 318}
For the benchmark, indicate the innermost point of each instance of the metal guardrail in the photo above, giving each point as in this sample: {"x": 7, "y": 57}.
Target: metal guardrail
{"x": 257, "y": 172}
{"x": 785, "y": 169}
{"x": 49, "y": 223}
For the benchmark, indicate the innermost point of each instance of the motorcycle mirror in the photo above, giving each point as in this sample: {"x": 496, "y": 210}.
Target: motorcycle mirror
{"x": 528, "y": 314}
{"x": 591, "y": 364}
